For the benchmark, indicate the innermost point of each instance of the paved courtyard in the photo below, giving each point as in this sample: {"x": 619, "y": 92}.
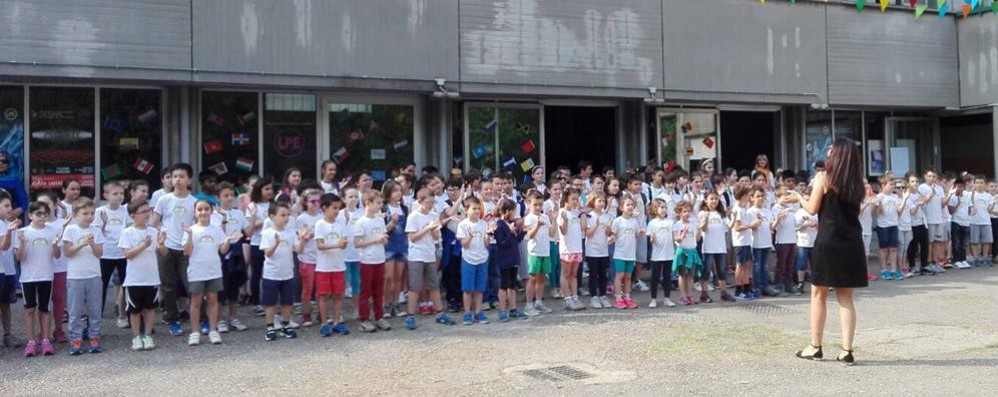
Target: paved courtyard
{"x": 922, "y": 336}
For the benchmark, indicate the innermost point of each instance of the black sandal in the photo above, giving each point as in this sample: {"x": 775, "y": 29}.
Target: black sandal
{"x": 847, "y": 359}
{"x": 817, "y": 355}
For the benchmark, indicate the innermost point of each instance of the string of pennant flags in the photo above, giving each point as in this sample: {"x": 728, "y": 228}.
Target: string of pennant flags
{"x": 920, "y": 6}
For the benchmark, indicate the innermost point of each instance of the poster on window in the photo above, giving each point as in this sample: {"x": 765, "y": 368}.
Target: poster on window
{"x": 62, "y": 137}
{"x": 12, "y": 143}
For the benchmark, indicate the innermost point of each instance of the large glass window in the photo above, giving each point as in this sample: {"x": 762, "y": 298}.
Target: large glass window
{"x": 12, "y": 143}
{"x": 131, "y": 135}
{"x": 372, "y": 137}
{"x": 501, "y": 138}
{"x": 817, "y": 137}
{"x": 668, "y": 144}
{"x": 229, "y": 133}
{"x": 849, "y": 124}
{"x": 62, "y": 137}
{"x": 289, "y": 134}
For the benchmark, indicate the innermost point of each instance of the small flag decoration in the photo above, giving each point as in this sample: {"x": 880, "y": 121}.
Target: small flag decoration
{"x": 528, "y": 146}
{"x": 111, "y": 171}
{"x": 245, "y": 117}
{"x": 340, "y": 155}
{"x": 994, "y": 8}
{"x": 216, "y": 119}
{"x": 860, "y": 4}
{"x": 401, "y": 144}
{"x": 491, "y": 126}
{"x": 527, "y": 164}
{"x": 219, "y": 168}
{"x": 147, "y": 116}
{"x": 244, "y": 164}
{"x": 920, "y": 9}
{"x": 973, "y": 3}
{"x": 114, "y": 124}
{"x": 240, "y": 139}
{"x": 943, "y": 6}
{"x": 912, "y": 2}
{"x": 143, "y": 165}
{"x": 884, "y": 4}
{"x": 481, "y": 151}
{"x": 212, "y": 147}
{"x": 509, "y": 163}
{"x": 128, "y": 143}
{"x": 522, "y": 128}
{"x": 966, "y": 10}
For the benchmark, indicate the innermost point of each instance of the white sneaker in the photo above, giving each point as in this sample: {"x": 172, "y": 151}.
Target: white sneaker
{"x": 556, "y": 294}
{"x": 539, "y": 306}
{"x": 223, "y": 327}
{"x": 710, "y": 287}
{"x": 653, "y": 304}
{"x": 237, "y": 325}
{"x": 214, "y": 337}
{"x": 696, "y": 287}
{"x": 595, "y": 303}
{"x": 641, "y": 286}
{"x": 194, "y": 339}
{"x": 122, "y": 322}
{"x": 293, "y": 325}
{"x": 403, "y": 297}
{"x": 668, "y": 302}
{"x": 348, "y": 293}
{"x": 605, "y": 300}
{"x": 137, "y": 343}
{"x": 530, "y": 311}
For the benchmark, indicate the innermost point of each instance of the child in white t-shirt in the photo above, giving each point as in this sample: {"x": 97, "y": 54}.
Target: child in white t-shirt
{"x": 597, "y": 247}
{"x": 331, "y": 238}
{"x": 981, "y": 236}
{"x": 626, "y": 230}
{"x": 663, "y": 250}
{"x": 713, "y": 228}
{"x": 687, "y": 263}
{"x": 762, "y": 243}
{"x": 111, "y": 219}
{"x": 539, "y": 230}
{"x": 83, "y": 244}
{"x": 474, "y": 236}
{"x": 741, "y": 240}
{"x": 307, "y": 259}
{"x": 786, "y": 239}
{"x": 423, "y": 230}
{"x": 571, "y": 223}
{"x": 203, "y": 244}
{"x": 37, "y": 247}
{"x": 370, "y": 236}
{"x": 279, "y": 243}
{"x": 807, "y": 231}
{"x": 888, "y": 207}
{"x": 232, "y": 221}
{"x": 8, "y": 272}
{"x": 139, "y": 243}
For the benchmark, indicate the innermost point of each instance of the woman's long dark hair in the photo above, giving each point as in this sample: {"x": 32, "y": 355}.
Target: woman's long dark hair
{"x": 844, "y": 171}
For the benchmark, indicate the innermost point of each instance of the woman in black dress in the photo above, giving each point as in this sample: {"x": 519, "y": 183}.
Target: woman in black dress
{"x": 839, "y": 257}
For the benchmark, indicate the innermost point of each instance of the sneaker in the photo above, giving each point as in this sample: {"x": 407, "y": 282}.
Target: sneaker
{"x": 205, "y": 328}
{"x": 466, "y": 319}
{"x": 567, "y": 304}
{"x": 383, "y": 325}
{"x": 296, "y": 308}
{"x": 653, "y": 304}
{"x": 530, "y": 311}
{"x": 215, "y": 337}
{"x": 410, "y": 322}
{"x": 619, "y": 303}
{"x": 403, "y": 297}
{"x": 223, "y": 327}
{"x": 175, "y": 329}
{"x": 348, "y": 293}
{"x": 630, "y": 303}
{"x": 503, "y": 316}
{"x": 741, "y": 295}
{"x": 482, "y": 318}
{"x": 518, "y": 315}
{"x": 237, "y": 325}
{"x": 137, "y": 344}
{"x": 726, "y": 297}
{"x": 367, "y": 326}
{"x": 341, "y": 329}
{"x": 194, "y": 339}
{"x": 148, "y": 343}
{"x": 578, "y": 304}
{"x": 396, "y": 312}
{"x": 95, "y": 346}
{"x": 289, "y": 332}
{"x": 444, "y": 319}
{"x": 704, "y": 298}
{"x": 258, "y": 311}
{"x": 668, "y": 302}
{"x": 47, "y": 349}
{"x": 306, "y": 320}
{"x": 31, "y": 348}
{"x": 11, "y": 341}
{"x": 541, "y": 308}
{"x": 271, "y": 334}
{"x": 799, "y": 290}
{"x": 425, "y": 310}
{"x": 696, "y": 287}
{"x": 556, "y": 294}
{"x": 898, "y": 276}
{"x": 121, "y": 322}
{"x": 605, "y": 301}
{"x": 595, "y": 303}
{"x": 325, "y": 330}
{"x": 963, "y": 265}
{"x": 641, "y": 286}
{"x": 493, "y": 305}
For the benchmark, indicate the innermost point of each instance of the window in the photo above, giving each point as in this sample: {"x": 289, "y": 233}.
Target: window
{"x": 131, "y": 135}
{"x": 229, "y": 133}
{"x": 289, "y": 134}
{"x": 849, "y": 124}
{"x": 817, "y": 137}
{"x": 62, "y": 137}
{"x": 372, "y": 137}
{"x": 503, "y": 138}
{"x": 12, "y": 146}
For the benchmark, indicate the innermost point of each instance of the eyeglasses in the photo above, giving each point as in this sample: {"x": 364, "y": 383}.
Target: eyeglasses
{"x": 313, "y": 201}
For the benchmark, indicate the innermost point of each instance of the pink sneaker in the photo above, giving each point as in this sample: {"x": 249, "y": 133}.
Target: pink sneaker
{"x": 630, "y": 303}
{"x": 619, "y": 303}
{"x": 30, "y": 349}
{"x": 59, "y": 336}
{"x": 47, "y": 349}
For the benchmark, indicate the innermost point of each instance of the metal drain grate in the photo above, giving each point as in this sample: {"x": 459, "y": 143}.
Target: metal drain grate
{"x": 558, "y": 373}
{"x": 766, "y": 309}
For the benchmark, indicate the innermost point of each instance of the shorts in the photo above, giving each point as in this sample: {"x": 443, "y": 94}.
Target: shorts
{"x": 205, "y": 287}
{"x": 474, "y": 277}
{"x": 887, "y": 237}
{"x": 981, "y": 234}
{"x": 37, "y": 294}
{"x": 539, "y": 264}
{"x": 330, "y": 283}
{"x": 743, "y": 255}
{"x": 938, "y": 232}
{"x": 571, "y": 257}
{"x": 8, "y": 289}
{"x": 716, "y": 263}
{"x": 423, "y": 274}
{"x": 139, "y": 298}
{"x": 396, "y": 256}
{"x": 233, "y": 280}
{"x": 641, "y": 249}
{"x": 803, "y": 256}
{"x": 622, "y": 266}
{"x": 274, "y": 289}
{"x": 507, "y": 278}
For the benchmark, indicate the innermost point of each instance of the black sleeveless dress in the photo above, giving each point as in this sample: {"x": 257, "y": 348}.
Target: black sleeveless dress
{"x": 839, "y": 257}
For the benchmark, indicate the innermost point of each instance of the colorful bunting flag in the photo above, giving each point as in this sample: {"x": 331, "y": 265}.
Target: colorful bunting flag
{"x": 509, "y": 163}
{"x": 943, "y": 7}
{"x": 522, "y": 128}
{"x": 401, "y": 144}
{"x": 340, "y": 155}
{"x": 111, "y": 171}
{"x": 219, "y": 168}
{"x": 994, "y": 8}
{"x": 143, "y": 165}
{"x": 973, "y": 3}
{"x": 240, "y": 139}
{"x": 244, "y": 164}
{"x": 919, "y": 10}
{"x": 128, "y": 143}
{"x": 527, "y": 164}
{"x": 491, "y": 126}
{"x": 147, "y": 116}
{"x": 912, "y": 2}
{"x": 883, "y": 5}
{"x": 245, "y": 117}
{"x": 458, "y": 160}
{"x": 762, "y": 1}
{"x": 212, "y": 147}
{"x": 216, "y": 119}
{"x": 528, "y": 146}
{"x": 481, "y": 151}
{"x": 114, "y": 125}
{"x": 860, "y": 4}
{"x": 966, "y": 10}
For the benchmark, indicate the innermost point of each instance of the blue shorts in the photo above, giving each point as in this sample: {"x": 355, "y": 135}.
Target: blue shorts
{"x": 743, "y": 255}
{"x": 803, "y": 256}
{"x": 272, "y": 289}
{"x": 8, "y": 289}
{"x": 716, "y": 264}
{"x": 887, "y": 237}
{"x": 474, "y": 277}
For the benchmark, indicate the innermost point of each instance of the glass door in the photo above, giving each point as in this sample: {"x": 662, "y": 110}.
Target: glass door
{"x": 503, "y": 137}
{"x": 378, "y": 135}
{"x": 910, "y": 146}
{"x": 687, "y": 138}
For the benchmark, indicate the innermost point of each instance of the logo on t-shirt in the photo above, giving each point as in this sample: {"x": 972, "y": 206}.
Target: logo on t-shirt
{"x": 207, "y": 240}
{"x": 179, "y": 210}
{"x": 628, "y": 231}
{"x": 82, "y": 239}
{"x": 377, "y": 231}
{"x": 39, "y": 242}
{"x": 114, "y": 222}
{"x": 331, "y": 237}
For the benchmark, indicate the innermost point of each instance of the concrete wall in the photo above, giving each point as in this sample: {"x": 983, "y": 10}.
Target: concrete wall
{"x": 978, "y": 61}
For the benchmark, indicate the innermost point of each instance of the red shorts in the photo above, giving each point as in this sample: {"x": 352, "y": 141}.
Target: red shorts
{"x": 329, "y": 283}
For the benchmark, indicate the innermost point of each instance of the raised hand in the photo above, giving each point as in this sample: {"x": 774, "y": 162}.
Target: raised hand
{"x": 161, "y": 238}
{"x": 147, "y": 241}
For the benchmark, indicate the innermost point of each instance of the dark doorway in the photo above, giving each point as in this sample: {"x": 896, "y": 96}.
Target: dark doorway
{"x": 745, "y": 135}
{"x": 579, "y": 133}
{"x": 966, "y": 144}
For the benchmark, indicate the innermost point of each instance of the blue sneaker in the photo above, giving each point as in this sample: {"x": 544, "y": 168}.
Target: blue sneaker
{"x": 444, "y": 319}
{"x": 341, "y": 329}
{"x": 886, "y": 275}
{"x": 205, "y": 328}
{"x": 176, "y": 329}
{"x": 325, "y": 330}
{"x": 482, "y": 318}
{"x": 503, "y": 316}
{"x": 466, "y": 320}
{"x": 898, "y": 276}
{"x": 517, "y": 315}
{"x": 75, "y": 348}
{"x": 410, "y": 322}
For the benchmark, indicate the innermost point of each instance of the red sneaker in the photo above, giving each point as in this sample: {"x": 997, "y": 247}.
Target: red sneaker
{"x": 620, "y": 304}
{"x": 630, "y": 303}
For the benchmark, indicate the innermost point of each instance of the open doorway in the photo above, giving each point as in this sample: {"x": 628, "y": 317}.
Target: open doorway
{"x": 574, "y": 133}
{"x": 745, "y": 135}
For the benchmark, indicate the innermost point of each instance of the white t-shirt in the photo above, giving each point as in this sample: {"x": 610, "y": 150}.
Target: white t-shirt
{"x": 330, "y": 260}
{"x": 887, "y": 214}
{"x": 231, "y": 221}
{"x": 37, "y": 264}
{"x": 176, "y": 214}
{"x": 158, "y": 194}
{"x": 309, "y": 253}
{"x": 625, "y": 233}
{"x": 933, "y": 208}
{"x": 786, "y": 229}
{"x": 369, "y": 229}
{"x": 571, "y": 242}
{"x": 866, "y": 217}
{"x": 717, "y": 229}
{"x": 762, "y": 237}
{"x": 204, "y": 263}
{"x": 142, "y": 270}
{"x": 597, "y": 245}
{"x": 904, "y": 218}
{"x": 257, "y": 212}
{"x": 664, "y": 248}
{"x": 982, "y": 203}
{"x": 962, "y": 214}
{"x": 741, "y": 217}
{"x": 84, "y": 264}
{"x": 349, "y": 222}
{"x": 540, "y": 245}
{"x": 690, "y": 241}
{"x": 423, "y": 249}
{"x": 806, "y": 236}
{"x": 117, "y": 221}
{"x": 279, "y": 267}
{"x": 918, "y": 215}
{"x": 476, "y": 253}
{"x": 328, "y": 187}
{"x": 59, "y": 264}
{"x": 8, "y": 266}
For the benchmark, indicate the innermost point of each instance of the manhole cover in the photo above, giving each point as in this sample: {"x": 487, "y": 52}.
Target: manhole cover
{"x": 767, "y": 309}
{"x": 558, "y": 373}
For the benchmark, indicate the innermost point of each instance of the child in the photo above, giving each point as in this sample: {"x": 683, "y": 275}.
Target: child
{"x": 687, "y": 264}
{"x": 932, "y": 195}
{"x": 539, "y": 233}
{"x": 8, "y": 271}
{"x": 597, "y": 247}
{"x": 887, "y": 206}
{"x": 663, "y": 251}
{"x": 173, "y": 214}
{"x": 290, "y": 182}
{"x": 959, "y": 208}
{"x": 473, "y": 235}
{"x": 395, "y": 214}
{"x": 423, "y": 230}
{"x": 714, "y": 230}
{"x": 352, "y": 212}
{"x": 507, "y": 257}
{"x": 58, "y": 266}
{"x": 762, "y": 242}
{"x": 370, "y": 239}
{"x": 278, "y": 242}
{"x": 328, "y": 180}
{"x": 552, "y": 204}
{"x": 139, "y": 243}
{"x": 905, "y": 233}
{"x": 311, "y": 202}
{"x": 915, "y": 205}
{"x": 261, "y": 198}
{"x": 231, "y": 220}
{"x": 203, "y": 245}
{"x": 866, "y": 218}
{"x": 571, "y": 224}
{"x": 138, "y": 191}
{"x": 786, "y": 235}
{"x": 208, "y": 180}
{"x": 625, "y": 231}
{"x": 166, "y": 181}
{"x": 83, "y": 244}
{"x": 741, "y": 241}
{"x": 641, "y": 241}
{"x": 70, "y": 193}
{"x": 37, "y": 247}
{"x": 331, "y": 238}
{"x": 111, "y": 219}
{"x": 980, "y": 223}
{"x": 806, "y": 226}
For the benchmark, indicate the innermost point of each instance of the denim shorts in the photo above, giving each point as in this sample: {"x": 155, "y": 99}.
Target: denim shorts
{"x": 803, "y": 256}
{"x": 474, "y": 277}
{"x": 716, "y": 263}
{"x": 887, "y": 237}
{"x": 743, "y": 255}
